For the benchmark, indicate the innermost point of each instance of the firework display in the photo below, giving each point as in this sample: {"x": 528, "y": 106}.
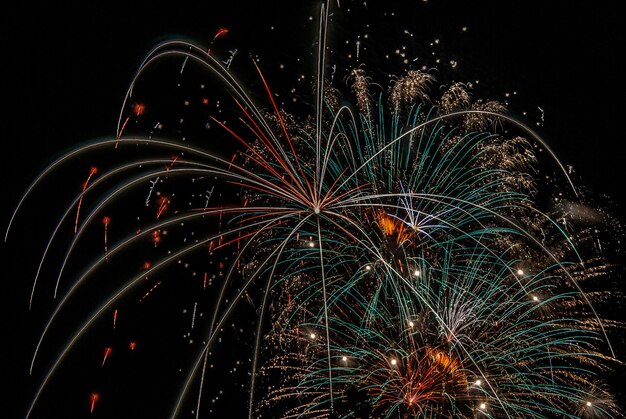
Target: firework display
{"x": 415, "y": 252}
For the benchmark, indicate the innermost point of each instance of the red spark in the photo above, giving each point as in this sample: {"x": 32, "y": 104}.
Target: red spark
{"x": 114, "y": 318}
{"x": 232, "y": 160}
{"x": 146, "y": 265}
{"x": 204, "y": 284}
{"x": 132, "y": 345}
{"x": 220, "y": 32}
{"x": 164, "y": 203}
{"x": 139, "y": 108}
{"x": 156, "y": 237}
{"x": 169, "y": 167}
{"x": 92, "y": 171}
{"x": 106, "y": 221}
{"x": 94, "y": 397}
{"x": 107, "y": 352}
{"x": 119, "y": 135}
{"x": 150, "y": 290}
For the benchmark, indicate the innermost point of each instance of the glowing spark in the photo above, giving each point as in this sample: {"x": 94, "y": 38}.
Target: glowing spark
{"x": 92, "y": 172}
{"x": 139, "y": 109}
{"x": 193, "y": 317}
{"x": 208, "y": 197}
{"x": 94, "y": 397}
{"x": 171, "y": 165}
{"x": 156, "y": 237}
{"x": 182, "y": 67}
{"x": 107, "y": 352}
{"x": 229, "y": 61}
{"x": 152, "y": 185}
{"x": 220, "y": 32}
{"x": 155, "y": 286}
{"x": 106, "y": 221}
{"x": 164, "y": 203}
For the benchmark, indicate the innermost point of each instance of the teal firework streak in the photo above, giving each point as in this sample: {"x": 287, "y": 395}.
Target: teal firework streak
{"x": 428, "y": 289}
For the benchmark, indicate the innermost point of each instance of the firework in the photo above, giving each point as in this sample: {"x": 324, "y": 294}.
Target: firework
{"x": 397, "y": 255}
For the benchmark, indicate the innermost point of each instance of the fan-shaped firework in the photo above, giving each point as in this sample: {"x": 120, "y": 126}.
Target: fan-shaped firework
{"x": 399, "y": 254}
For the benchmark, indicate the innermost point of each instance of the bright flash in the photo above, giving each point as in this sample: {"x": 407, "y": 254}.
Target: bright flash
{"x": 478, "y": 382}
{"x": 313, "y": 335}
{"x": 483, "y": 406}
{"x": 520, "y": 272}
{"x": 394, "y": 361}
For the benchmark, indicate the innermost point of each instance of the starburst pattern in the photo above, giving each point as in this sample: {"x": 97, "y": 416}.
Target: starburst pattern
{"x": 399, "y": 254}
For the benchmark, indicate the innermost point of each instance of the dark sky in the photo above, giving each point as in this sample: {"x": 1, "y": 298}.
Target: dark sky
{"x": 66, "y": 69}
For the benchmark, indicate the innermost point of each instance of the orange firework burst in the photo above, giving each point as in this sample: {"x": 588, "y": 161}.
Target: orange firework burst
{"x": 393, "y": 227}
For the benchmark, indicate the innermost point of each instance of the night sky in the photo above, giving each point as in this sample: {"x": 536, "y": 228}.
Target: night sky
{"x": 66, "y": 70}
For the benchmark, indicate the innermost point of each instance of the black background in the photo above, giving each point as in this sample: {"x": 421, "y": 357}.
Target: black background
{"x": 66, "y": 69}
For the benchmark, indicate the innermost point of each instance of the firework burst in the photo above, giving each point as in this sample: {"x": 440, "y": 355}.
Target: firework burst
{"x": 397, "y": 255}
